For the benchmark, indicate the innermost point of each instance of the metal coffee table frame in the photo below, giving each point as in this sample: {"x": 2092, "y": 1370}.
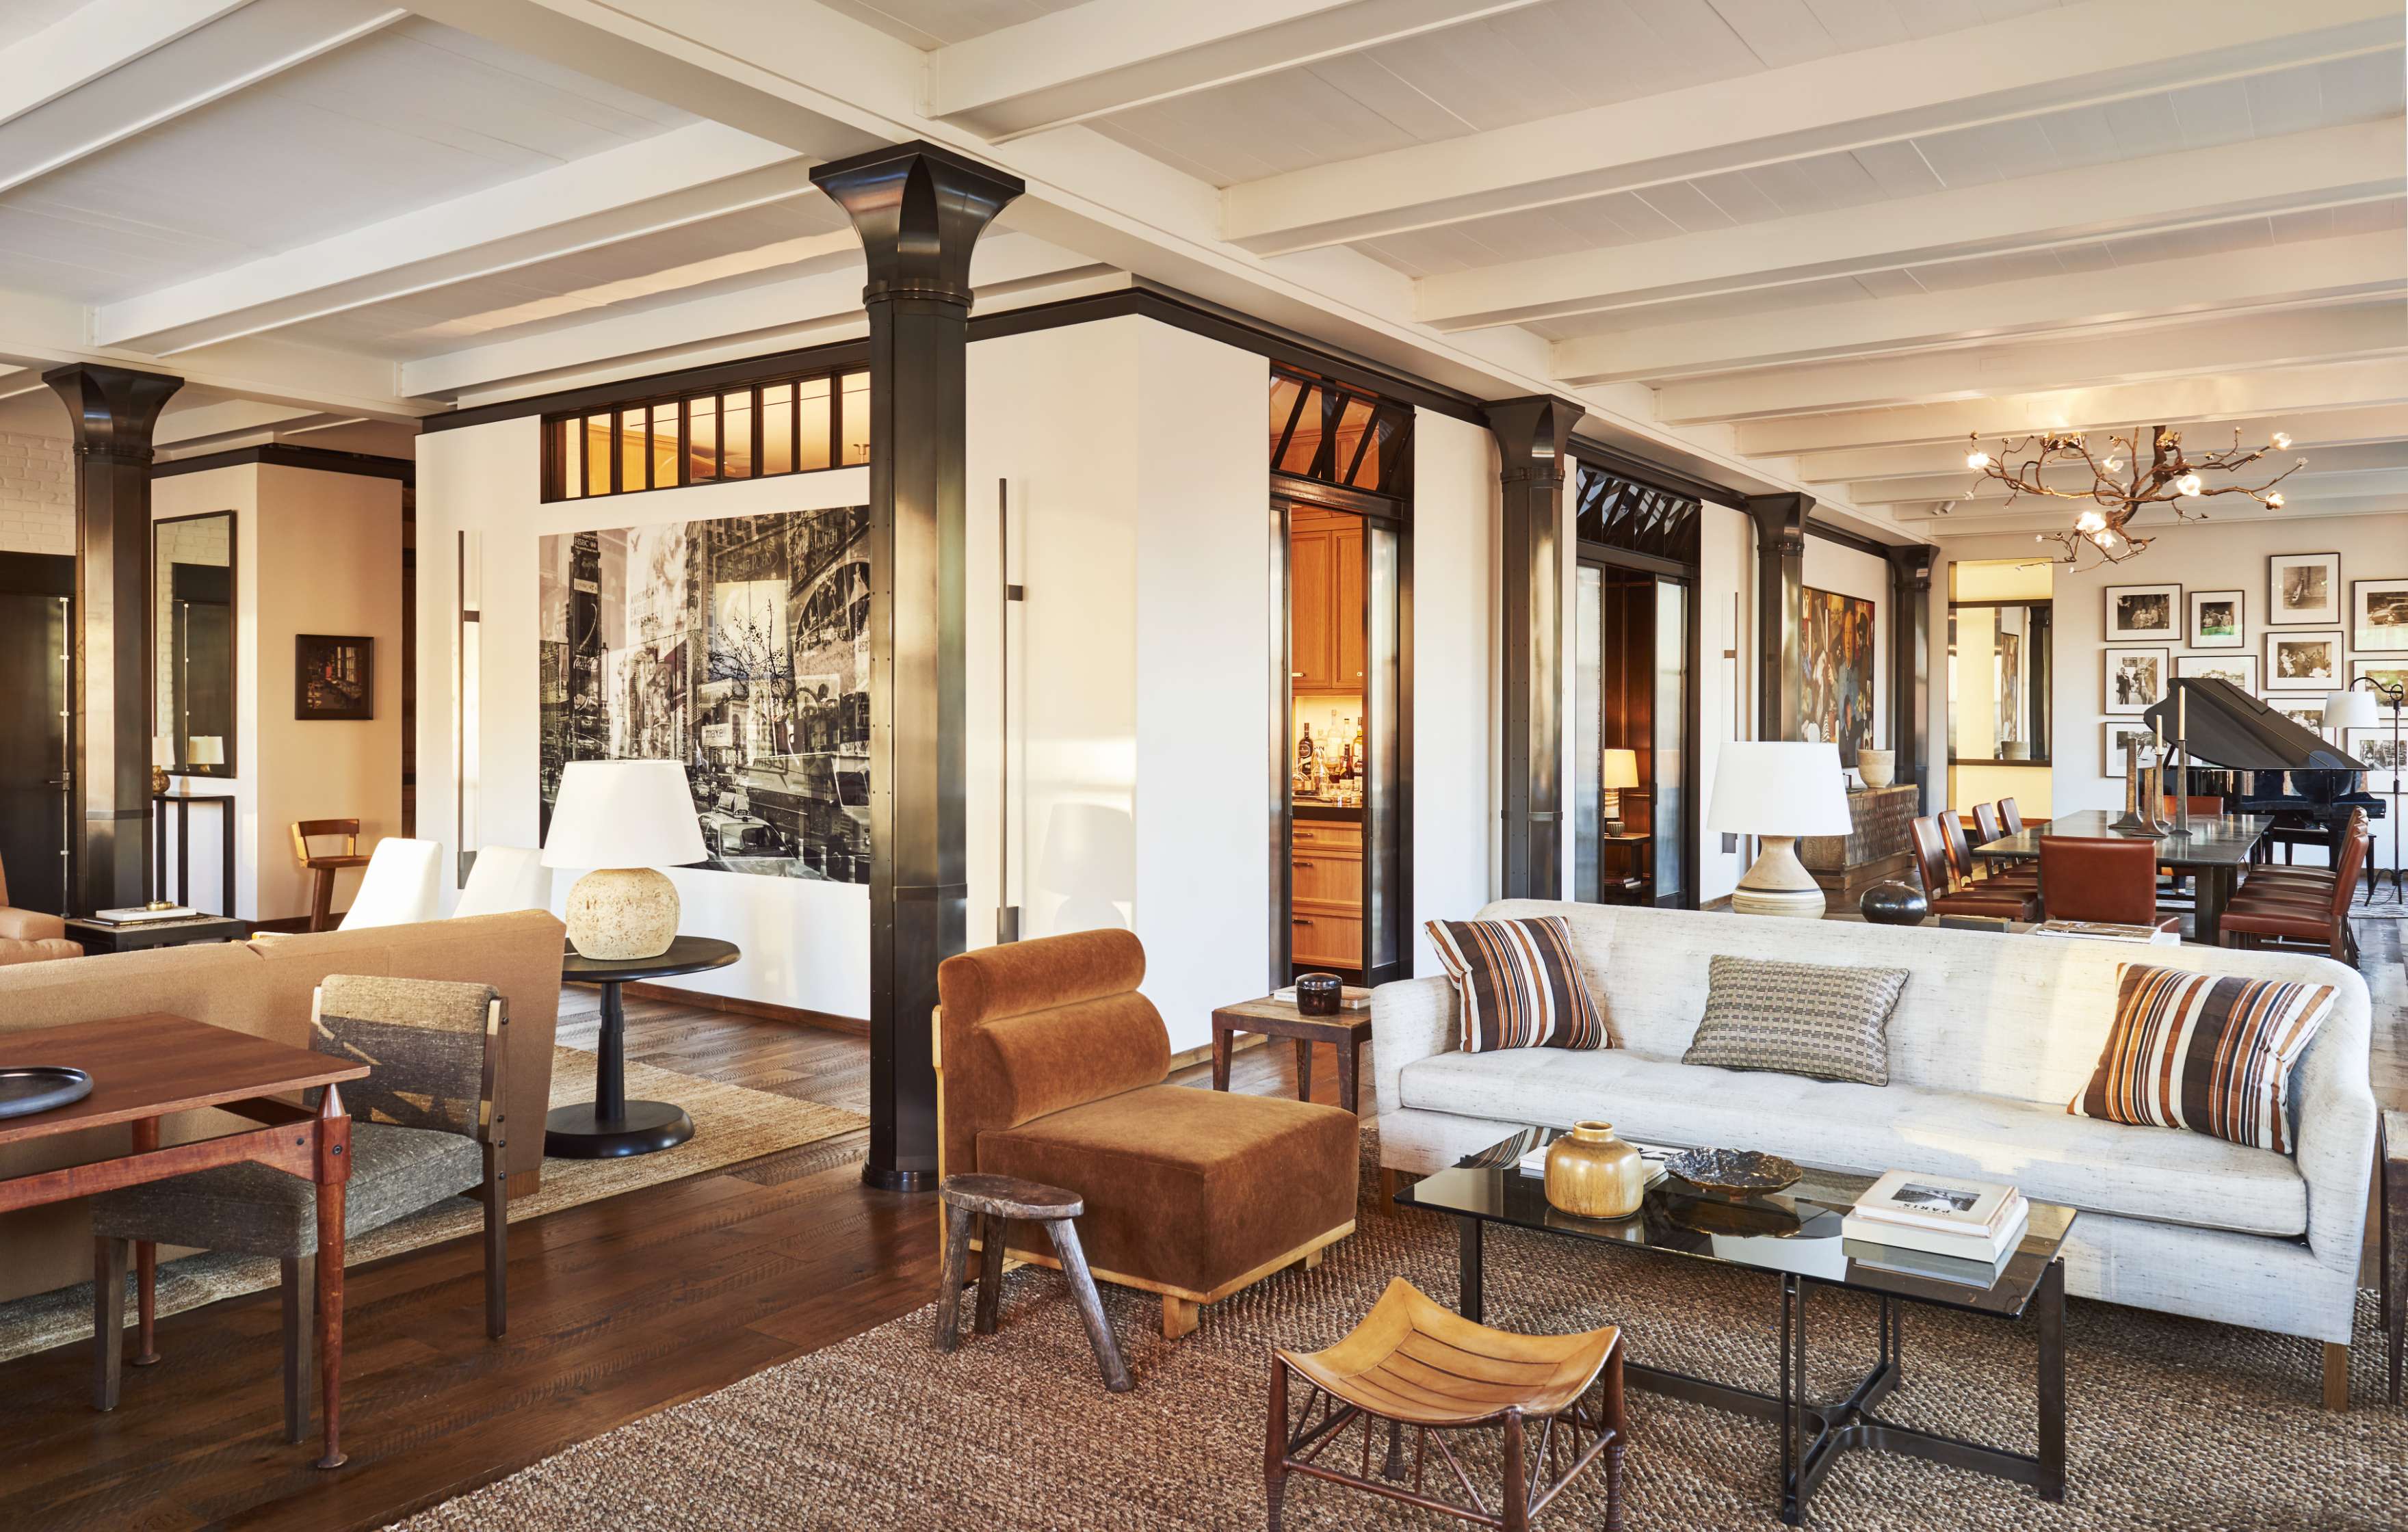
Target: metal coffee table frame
{"x": 1812, "y": 1436}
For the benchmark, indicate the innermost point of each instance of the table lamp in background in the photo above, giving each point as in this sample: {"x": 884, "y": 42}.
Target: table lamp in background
{"x": 625, "y": 820}
{"x": 163, "y": 755}
{"x": 1090, "y": 859}
{"x": 1619, "y": 769}
{"x": 203, "y": 751}
{"x": 1780, "y": 790}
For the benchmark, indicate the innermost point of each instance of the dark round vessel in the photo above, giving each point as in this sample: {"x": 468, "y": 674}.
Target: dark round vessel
{"x": 1894, "y": 904}
{"x": 1317, "y": 993}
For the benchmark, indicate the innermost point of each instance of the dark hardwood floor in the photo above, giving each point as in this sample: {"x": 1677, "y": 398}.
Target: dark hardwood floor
{"x": 617, "y": 1309}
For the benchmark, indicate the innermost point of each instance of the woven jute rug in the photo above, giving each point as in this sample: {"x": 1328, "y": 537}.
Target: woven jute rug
{"x": 731, "y": 1124}
{"x": 2173, "y": 1423}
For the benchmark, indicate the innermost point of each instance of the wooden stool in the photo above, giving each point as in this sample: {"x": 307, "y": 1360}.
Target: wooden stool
{"x": 1415, "y": 1363}
{"x": 322, "y": 896}
{"x": 996, "y": 1200}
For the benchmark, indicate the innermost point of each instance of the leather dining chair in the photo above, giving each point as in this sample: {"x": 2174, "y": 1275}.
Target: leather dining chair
{"x": 2113, "y": 882}
{"x": 2286, "y": 915}
{"x": 2010, "y": 816}
{"x": 2313, "y": 882}
{"x": 1989, "y": 825}
{"x": 1948, "y": 896}
{"x": 1971, "y": 874}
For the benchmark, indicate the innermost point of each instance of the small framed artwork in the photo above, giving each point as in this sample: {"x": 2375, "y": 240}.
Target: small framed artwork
{"x": 2390, "y": 678}
{"x": 2303, "y": 661}
{"x": 2145, "y": 612}
{"x": 2216, "y": 619}
{"x": 2136, "y": 680}
{"x": 2379, "y": 609}
{"x": 2303, "y": 588}
{"x": 2122, "y": 737}
{"x": 2240, "y": 669}
{"x": 334, "y": 678}
{"x": 2380, "y": 749}
{"x": 2307, "y": 715}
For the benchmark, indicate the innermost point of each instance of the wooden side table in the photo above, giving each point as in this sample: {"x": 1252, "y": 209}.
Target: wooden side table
{"x": 1347, "y": 1032}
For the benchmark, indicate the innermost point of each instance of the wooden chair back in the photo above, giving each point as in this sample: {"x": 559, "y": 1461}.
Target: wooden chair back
{"x": 306, "y": 830}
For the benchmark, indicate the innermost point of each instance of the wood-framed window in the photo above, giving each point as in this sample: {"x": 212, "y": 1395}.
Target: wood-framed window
{"x": 752, "y": 431}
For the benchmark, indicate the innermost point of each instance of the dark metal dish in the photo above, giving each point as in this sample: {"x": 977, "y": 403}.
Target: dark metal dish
{"x": 28, "y": 1088}
{"x": 1741, "y": 1172}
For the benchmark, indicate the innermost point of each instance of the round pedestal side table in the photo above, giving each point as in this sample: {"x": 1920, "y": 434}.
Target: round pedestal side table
{"x": 612, "y": 1126}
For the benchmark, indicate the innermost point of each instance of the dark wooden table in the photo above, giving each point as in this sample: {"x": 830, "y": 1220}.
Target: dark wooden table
{"x": 610, "y": 1126}
{"x": 145, "y": 1067}
{"x": 2216, "y": 852}
{"x": 1347, "y": 1032}
{"x": 96, "y": 938}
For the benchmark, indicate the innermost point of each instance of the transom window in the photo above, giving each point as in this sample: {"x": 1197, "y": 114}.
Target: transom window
{"x": 1618, "y": 512}
{"x": 1327, "y": 431}
{"x": 758, "y": 431}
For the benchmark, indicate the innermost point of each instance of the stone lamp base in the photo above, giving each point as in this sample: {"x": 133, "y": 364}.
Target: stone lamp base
{"x": 622, "y": 913}
{"x": 1779, "y": 884}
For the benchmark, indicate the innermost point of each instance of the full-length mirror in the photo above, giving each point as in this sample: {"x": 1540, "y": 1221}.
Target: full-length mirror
{"x": 1999, "y": 655}
{"x": 191, "y": 590}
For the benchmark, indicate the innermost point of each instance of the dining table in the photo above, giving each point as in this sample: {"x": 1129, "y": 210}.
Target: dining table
{"x": 2212, "y": 854}
{"x": 146, "y": 1067}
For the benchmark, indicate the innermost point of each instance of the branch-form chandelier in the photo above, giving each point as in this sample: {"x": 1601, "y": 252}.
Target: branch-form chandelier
{"x": 2104, "y": 525}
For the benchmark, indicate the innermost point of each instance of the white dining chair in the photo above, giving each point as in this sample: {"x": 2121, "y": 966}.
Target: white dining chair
{"x": 505, "y": 877}
{"x": 399, "y": 887}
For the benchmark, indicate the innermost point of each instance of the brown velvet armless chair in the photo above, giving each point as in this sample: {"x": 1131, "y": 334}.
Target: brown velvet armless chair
{"x": 1050, "y": 1067}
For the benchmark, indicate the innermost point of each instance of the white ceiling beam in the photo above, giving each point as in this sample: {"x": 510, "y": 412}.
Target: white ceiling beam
{"x": 1108, "y": 55}
{"x": 2323, "y": 167}
{"x": 162, "y": 69}
{"x": 226, "y": 418}
{"x": 2324, "y": 464}
{"x": 2315, "y": 433}
{"x": 2275, "y": 276}
{"x": 2080, "y": 54}
{"x": 762, "y": 315}
{"x": 2283, "y": 339}
{"x": 700, "y": 171}
{"x": 2154, "y": 521}
{"x": 2173, "y": 402}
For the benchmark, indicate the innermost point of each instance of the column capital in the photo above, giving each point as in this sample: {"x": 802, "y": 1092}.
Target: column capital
{"x": 114, "y": 409}
{"x": 919, "y": 209}
{"x": 1531, "y": 435}
{"x": 1779, "y": 521}
{"x": 1910, "y": 567}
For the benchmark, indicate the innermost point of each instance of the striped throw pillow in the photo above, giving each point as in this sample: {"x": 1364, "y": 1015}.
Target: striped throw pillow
{"x": 1520, "y": 984}
{"x": 2208, "y": 1053}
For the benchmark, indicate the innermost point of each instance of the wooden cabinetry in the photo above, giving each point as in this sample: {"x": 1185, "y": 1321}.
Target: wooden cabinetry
{"x": 1326, "y": 601}
{"x": 1325, "y": 902}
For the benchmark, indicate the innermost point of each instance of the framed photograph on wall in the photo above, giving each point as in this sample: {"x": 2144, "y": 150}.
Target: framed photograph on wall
{"x": 2381, "y": 752}
{"x": 2240, "y": 669}
{"x": 334, "y": 678}
{"x": 2307, "y": 715}
{"x": 2379, "y": 613}
{"x": 2120, "y": 736}
{"x": 2136, "y": 680}
{"x": 2149, "y": 613}
{"x": 2218, "y": 619}
{"x": 2390, "y": 675}
{"x": 2299, "y": 662}
{"x": 2303, "y": 588}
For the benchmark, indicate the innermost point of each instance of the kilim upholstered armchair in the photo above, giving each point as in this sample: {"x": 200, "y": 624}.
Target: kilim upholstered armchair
{"x": 426, "y": 1125}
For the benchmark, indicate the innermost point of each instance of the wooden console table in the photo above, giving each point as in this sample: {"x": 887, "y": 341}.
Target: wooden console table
{"x": 1878, "y": 846}
{"x": 145, "y": 1067}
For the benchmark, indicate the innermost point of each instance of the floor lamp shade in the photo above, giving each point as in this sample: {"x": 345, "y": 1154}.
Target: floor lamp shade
{"x": 624, "y": 819}
{"x": 2351, "y": 709}
{"x": 1779, "y": 790}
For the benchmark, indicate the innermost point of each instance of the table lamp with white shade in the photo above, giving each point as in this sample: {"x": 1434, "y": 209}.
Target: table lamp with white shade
{"x": 627, "y": 820}
{"x": 1779, "y": 788}
{"x": 1616, "y": 770}
{"x": 205, "y": 751}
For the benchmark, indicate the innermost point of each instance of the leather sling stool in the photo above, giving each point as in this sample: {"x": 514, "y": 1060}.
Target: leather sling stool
{"x": 1050, "y": 1067}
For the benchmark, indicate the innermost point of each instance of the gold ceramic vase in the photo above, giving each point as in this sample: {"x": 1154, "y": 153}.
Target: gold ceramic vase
{"x": 1593, "y": 1174}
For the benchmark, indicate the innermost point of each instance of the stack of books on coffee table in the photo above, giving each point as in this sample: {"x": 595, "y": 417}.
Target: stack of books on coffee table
{"x": 1971, "y": 1225}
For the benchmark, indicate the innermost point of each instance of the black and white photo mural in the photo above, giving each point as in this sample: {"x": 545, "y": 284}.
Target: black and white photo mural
{"x": 739, "y": 647}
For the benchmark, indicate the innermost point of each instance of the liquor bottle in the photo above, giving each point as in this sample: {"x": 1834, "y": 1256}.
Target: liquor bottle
{"x": 1346, "y": 752}
{"x": 1304, "y": 750}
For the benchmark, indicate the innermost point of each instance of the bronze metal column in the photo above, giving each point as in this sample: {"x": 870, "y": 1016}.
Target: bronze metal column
{"x": 1910, "y": 662}
{"x": 919, "y": 210}
{"x": 1530, "y": 438}
{"x": 113, "y": 411}
{"x": 1780, "y": 609}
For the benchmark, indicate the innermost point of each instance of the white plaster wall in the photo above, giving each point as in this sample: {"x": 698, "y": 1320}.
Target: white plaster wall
{"x": 1725, "y": 645}
{"x": 37, "y": 494}
{"x": 1456, "y": 721}
{"x": 2214, "y": 556}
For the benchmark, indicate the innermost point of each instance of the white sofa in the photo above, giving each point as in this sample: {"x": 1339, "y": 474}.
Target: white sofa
{"x": 1994, "y": 1034}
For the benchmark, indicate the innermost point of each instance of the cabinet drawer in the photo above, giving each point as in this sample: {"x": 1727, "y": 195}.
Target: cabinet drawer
{"x": 1328, "y": 835}
{"x": 1316, "y": 936}
{"x": 1323, "y": 876}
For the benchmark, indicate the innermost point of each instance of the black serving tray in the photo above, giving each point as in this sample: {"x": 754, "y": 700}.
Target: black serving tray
{"x": 28, "y": 1088}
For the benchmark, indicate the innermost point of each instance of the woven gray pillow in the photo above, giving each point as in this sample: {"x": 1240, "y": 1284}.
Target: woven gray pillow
{"x": 1806, "y": 1019}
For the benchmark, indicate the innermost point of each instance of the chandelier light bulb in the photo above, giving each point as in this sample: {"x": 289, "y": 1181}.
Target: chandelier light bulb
{"x": 2103, "y": 539}
{"x": 2090, "y": 520}
{"x": 2282, "y": 440}
{"x": 2114, "y": 464}
{"x": 2275, "y": 501}
{"x": 2188, "y": 483}
{"x": 1977, "y": 459}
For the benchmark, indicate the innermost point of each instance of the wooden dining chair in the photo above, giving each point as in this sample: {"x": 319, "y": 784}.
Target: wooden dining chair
{"x": 326, "y": 863}
{"x": 2109, "y": 879}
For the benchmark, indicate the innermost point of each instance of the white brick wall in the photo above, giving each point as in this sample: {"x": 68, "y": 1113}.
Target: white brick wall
{"x": 37, "y": 494}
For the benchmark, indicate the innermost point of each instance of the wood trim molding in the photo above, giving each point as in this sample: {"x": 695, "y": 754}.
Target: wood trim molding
{"x": 276, "y": 455}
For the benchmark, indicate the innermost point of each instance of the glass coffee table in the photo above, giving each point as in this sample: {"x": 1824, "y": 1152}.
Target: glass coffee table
{"x": 1794, "y": 1234}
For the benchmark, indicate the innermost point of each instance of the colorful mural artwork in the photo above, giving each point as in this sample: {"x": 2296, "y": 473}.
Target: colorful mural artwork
{"x": 1836, "y": 642}
{"x": 739, "y": 647}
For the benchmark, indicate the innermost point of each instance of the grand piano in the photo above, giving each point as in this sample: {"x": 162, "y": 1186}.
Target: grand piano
{"x": 2261, "y": 762}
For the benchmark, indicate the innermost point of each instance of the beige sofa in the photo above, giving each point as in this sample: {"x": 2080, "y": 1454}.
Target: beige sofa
{"x": 263, "y": 987}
